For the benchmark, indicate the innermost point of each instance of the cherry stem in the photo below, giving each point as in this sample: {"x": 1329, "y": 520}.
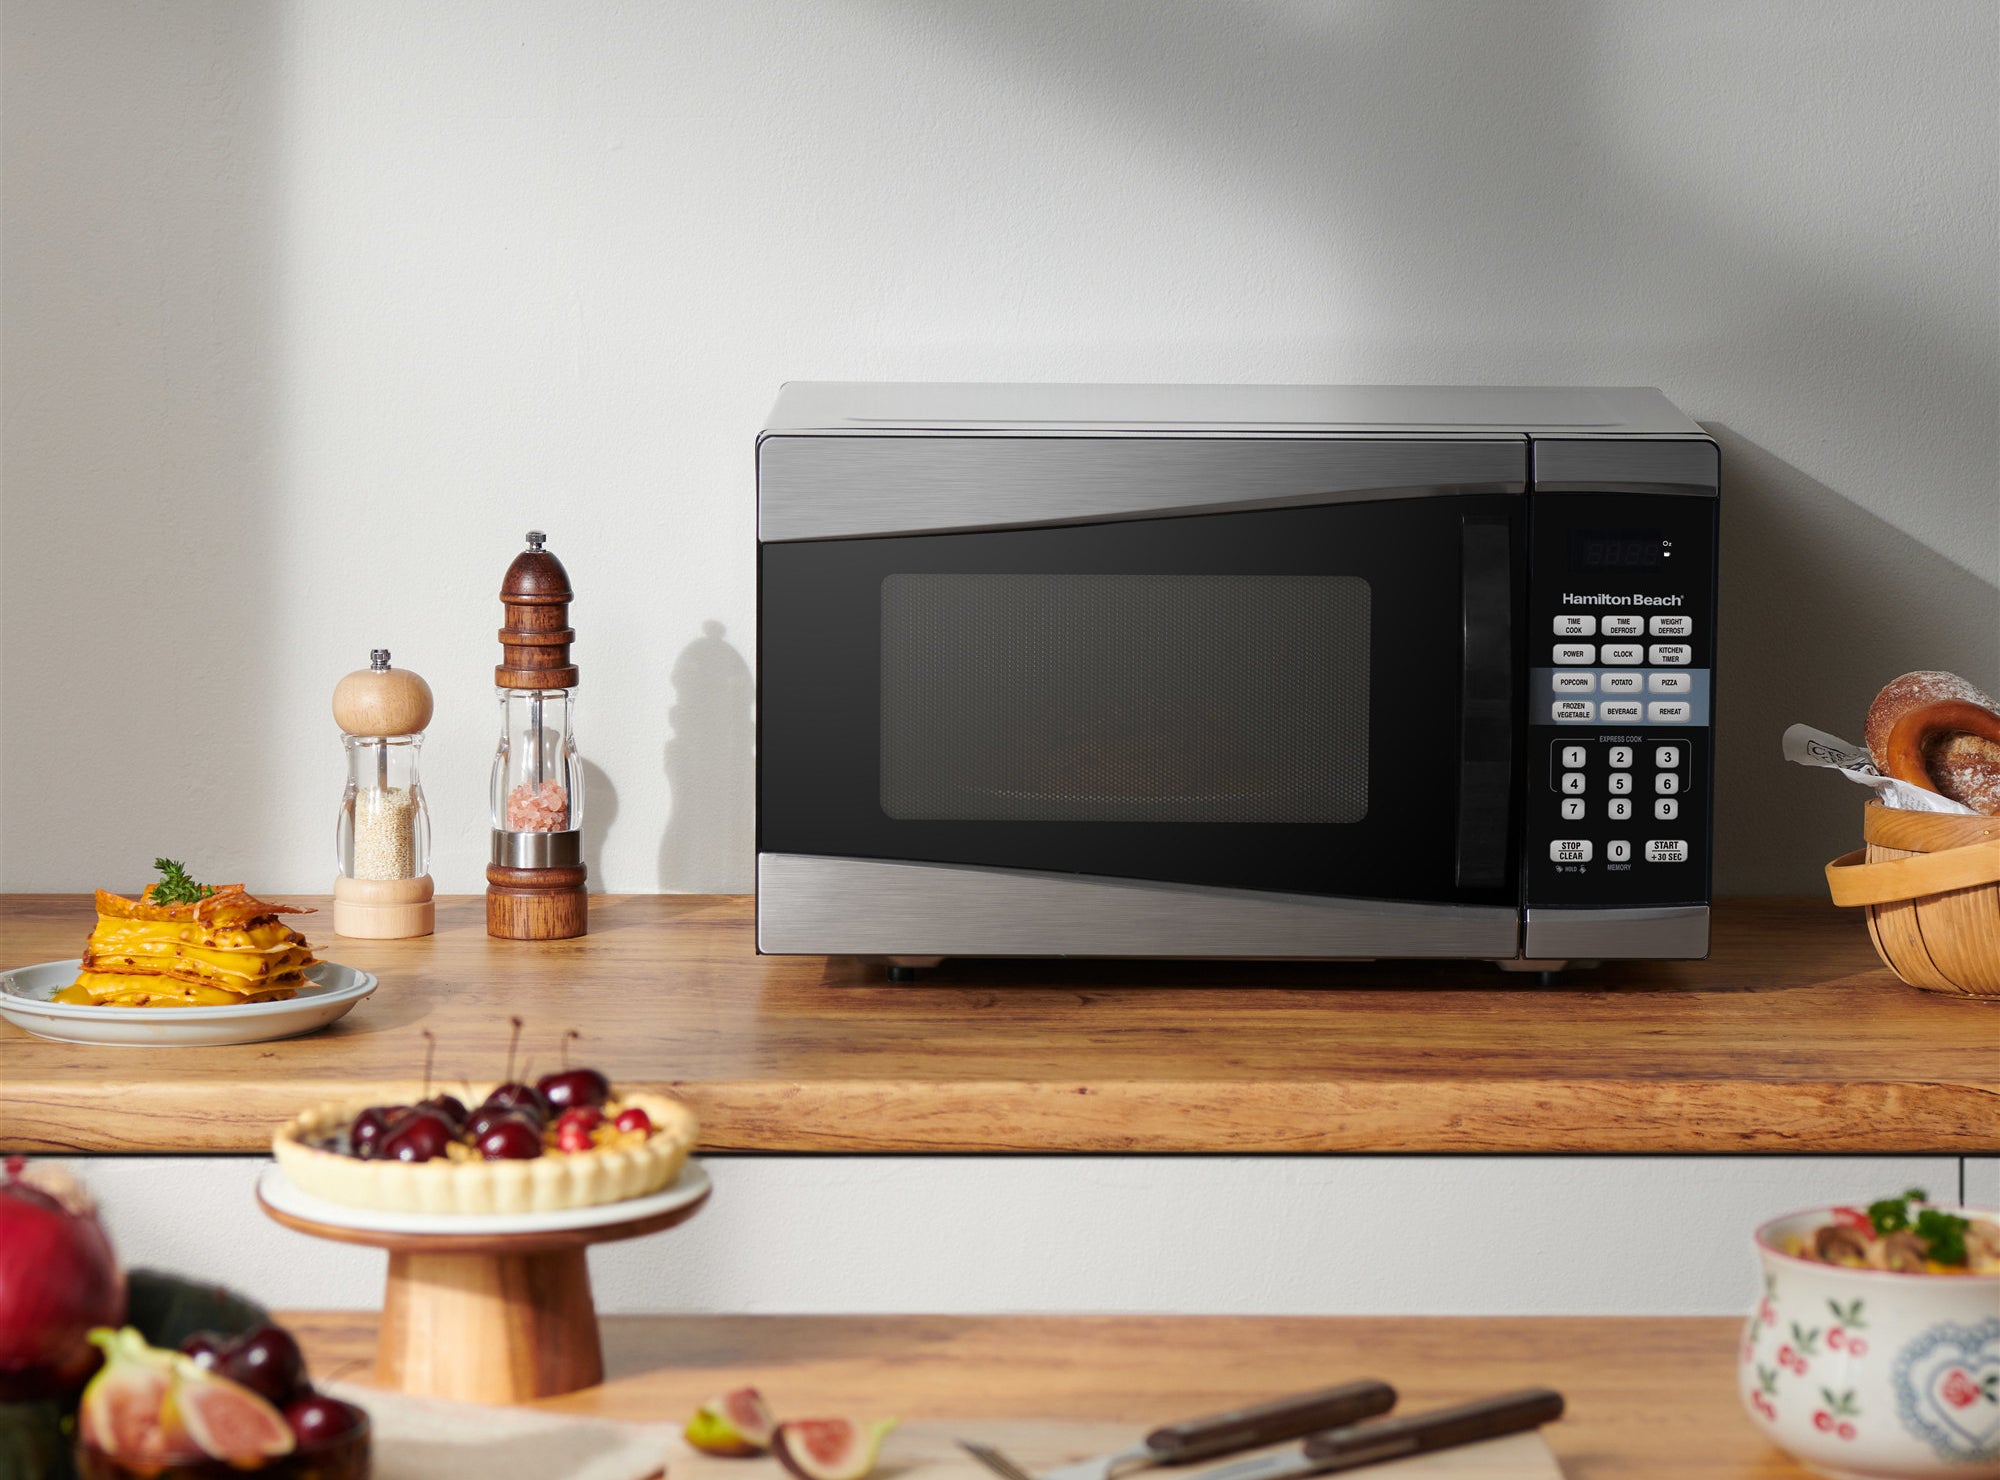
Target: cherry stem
{"x": 572, "y": 1033}
{"x": 512, "y": 1043}
{"x": 430, "y": 1052}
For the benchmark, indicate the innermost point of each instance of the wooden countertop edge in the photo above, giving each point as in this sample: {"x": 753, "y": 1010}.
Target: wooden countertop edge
{"x": 945, "y": 1117}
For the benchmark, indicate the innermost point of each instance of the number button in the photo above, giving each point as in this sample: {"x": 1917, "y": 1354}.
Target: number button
{"x": 1620, "y": 783}
{"x": 1666, "y": 784}
{"x": 1666, "y": 809}
{"x": 1666, "y": 757}
{"x": 1572, "y": 809}
{"x": 1618, "y": 850}
{"x": 1572, "y": 783}
{"x": 1572, "y": 757}
{"x": 1621, "y": 757}
{"x": 1619, "y": 808}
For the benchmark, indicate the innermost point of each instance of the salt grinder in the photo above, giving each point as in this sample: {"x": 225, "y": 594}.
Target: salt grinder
{"x": 534, "y": 881}
{"x": 382, "y": 842}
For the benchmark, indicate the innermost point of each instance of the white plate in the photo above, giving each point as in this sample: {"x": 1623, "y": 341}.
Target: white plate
{"x": 277, "y": 1190}
{"x": 330, "y": 990}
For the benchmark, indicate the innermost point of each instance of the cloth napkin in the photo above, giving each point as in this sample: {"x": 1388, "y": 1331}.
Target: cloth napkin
{"x": 431, "y": 1439}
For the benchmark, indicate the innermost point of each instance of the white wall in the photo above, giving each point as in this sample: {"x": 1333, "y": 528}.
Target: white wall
{"x": 1259, "y": 1235}
{"x": 312, "y": 308}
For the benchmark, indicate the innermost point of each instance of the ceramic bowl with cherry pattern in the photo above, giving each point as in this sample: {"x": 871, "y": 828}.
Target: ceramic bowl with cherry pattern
{"x": 1872, "y": 1372}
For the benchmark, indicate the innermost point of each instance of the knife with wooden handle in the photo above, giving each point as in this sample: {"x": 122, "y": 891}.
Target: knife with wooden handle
{"x": 1355, "y": 1445}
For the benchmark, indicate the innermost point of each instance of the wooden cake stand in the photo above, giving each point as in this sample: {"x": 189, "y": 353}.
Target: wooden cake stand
{"x": 481, "y": 1315}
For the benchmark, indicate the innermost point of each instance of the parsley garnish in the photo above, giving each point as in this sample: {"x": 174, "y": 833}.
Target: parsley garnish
{"x": 1943, "y": 1235}
{"x": 1892, "y": 1214}
{"x": 176, "y": 887}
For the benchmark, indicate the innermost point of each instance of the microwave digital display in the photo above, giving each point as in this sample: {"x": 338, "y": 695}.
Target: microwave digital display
{"x": 1619, "y": 549}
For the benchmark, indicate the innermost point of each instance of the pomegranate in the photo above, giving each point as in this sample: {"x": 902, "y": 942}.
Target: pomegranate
{"x": 58, "y": 1279}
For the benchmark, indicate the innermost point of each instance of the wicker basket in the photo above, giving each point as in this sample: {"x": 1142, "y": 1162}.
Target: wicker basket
{"x": 1931, "y": 884}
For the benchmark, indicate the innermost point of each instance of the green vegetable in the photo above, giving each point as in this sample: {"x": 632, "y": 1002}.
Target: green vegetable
{"x": 1943, "y": 1235}
{"x": 176, "y": 887}
{"x": 1892, "y": 1214}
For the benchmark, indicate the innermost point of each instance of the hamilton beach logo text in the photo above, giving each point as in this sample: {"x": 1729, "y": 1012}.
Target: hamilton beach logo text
{"x": 1605, "y": 598}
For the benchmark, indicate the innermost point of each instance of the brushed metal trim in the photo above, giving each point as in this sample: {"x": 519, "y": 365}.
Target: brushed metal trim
{"x": 1667, "y": 933}
{"x": 1109, "y": 409}
{"x": 841, "y": 487}
{"x": 536, "y": 849}
{"x": 1627, "y": 465}
{"x": 871, "y": 907}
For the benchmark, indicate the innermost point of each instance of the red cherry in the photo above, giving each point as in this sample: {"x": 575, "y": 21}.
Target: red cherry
{"x": 268, "y": 1362}
{"x": 573, "y": 1138}
{"x": 586, "y": 1116}
{"x": 371, "y": 1127}
{"x": 511, "y": 1139}
{"x": 418, "y": 1136}
{"x": 205, "y": 1349}
{"x": 518, "y": 1097}
{"x": 636, "y": 1119}
{"x": 451, "y": 1107}
{"x": 574, "y": 1087}
{"x": 320, "y": 1420}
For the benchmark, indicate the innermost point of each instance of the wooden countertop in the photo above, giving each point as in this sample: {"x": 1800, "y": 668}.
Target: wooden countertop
{"x": 1790, "y": 1038}
{"x": 1653, "y": 1397}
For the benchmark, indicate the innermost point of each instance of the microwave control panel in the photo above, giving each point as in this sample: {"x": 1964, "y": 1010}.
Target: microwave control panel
{"x": 1621, "y": 659}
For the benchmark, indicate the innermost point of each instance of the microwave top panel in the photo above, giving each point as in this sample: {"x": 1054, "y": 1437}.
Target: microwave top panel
{"x": 836, "y": 407}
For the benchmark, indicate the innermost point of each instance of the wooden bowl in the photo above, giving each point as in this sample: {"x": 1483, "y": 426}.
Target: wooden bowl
{"x": 1930, "y": 882}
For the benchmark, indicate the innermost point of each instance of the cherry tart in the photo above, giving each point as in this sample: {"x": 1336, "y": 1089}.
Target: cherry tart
{"x": 501, "y": 1158}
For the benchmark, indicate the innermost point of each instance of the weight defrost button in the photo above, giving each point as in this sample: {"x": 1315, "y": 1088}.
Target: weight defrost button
{"x": 1672, "y": 626}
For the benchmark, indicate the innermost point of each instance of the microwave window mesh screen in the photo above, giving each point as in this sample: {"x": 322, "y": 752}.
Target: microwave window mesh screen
{"x": 1125, "y": 698}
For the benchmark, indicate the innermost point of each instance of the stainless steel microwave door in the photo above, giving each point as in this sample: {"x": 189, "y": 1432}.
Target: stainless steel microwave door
{"x": 1276, "y": 699}
{"x": 1125, "y": 697}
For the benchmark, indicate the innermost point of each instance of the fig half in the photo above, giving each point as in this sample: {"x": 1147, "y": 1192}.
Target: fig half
{"x": 830, "y": 1448}
{"x": 737, "y": 1424}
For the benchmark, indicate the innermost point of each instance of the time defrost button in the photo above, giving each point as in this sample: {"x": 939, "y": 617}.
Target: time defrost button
{"x": 1624, "y": 626}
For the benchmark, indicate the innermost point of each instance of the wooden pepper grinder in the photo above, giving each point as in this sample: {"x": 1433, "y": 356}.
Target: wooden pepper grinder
{"x": 383, "y": 839}
{"x": 534, "y": 881}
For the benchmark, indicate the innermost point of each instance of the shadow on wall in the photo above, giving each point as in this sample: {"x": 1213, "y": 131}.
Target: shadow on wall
{"x": 600, "y": 810}
{"x": 708, "y": 846}
{"x": 1819, "y": 609}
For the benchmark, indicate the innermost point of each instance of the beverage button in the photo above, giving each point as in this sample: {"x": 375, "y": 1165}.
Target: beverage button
{"x": 1666, "y": 783}
{"x": 1572, "y": 809}
{"x": 1666, "y": 850}
{"x": 1624, "y": 653}
{"x": 1572, "y": 783}
{"x": 1670, "y": 655}
{"x": 1618, "y": 809}
{"x": 1570, "y": 850}
{"x": 1575, "y": 654}
{"x": 1620, "y": 783}
{"x": 1621, "y": 757}
{"x": 1672, "y": 626}
{"x": 1573, "y": 711}
{"x": 1670, "y": 683}
{"x": 1623, "y": 626}
{"x": 1666, "y": 809}
{"x": 1622, "y": 683}
{"x": 1669, "y": 712}
{"x": 1617, "y": 709}
{"x": 1618, "y": 850}
{"x": 1580, "y": 681}
{"x": 1572, "y": 757}
{"x": 1666, "y": 757}
{"x": 1574, "y": 626}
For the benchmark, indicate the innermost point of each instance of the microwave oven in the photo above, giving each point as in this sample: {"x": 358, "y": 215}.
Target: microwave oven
{"x": 1234, "y": 672}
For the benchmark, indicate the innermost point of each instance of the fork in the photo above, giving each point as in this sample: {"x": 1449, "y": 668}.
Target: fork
{"x": 1221, "y": 1433}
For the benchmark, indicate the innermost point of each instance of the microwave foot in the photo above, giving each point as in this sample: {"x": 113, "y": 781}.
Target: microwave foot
{"x": 1545, "y": 971}
{"x": 911, "y": 968}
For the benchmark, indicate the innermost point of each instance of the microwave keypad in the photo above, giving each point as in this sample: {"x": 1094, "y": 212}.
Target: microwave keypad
{"x": 1583, "y": 774}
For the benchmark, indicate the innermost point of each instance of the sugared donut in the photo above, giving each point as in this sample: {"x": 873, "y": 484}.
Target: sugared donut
{"x": 1951, "y": 743}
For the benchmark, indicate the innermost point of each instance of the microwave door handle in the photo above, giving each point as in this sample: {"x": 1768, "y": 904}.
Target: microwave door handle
{"x": 1485, "y": 700}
